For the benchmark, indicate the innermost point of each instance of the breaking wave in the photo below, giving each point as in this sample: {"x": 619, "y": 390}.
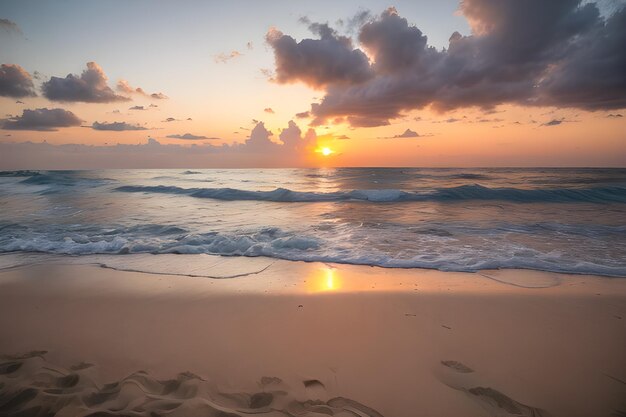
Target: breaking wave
{"x": 276, "y": 243}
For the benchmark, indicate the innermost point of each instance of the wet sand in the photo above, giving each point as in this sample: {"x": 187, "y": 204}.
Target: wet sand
{"x": 305, "y": 339}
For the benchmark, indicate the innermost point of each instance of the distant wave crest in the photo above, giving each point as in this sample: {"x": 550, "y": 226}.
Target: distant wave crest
{"x": 461, "y": 193}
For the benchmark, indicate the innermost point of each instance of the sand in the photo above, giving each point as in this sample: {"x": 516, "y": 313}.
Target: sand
{"x": 305, "y": 339}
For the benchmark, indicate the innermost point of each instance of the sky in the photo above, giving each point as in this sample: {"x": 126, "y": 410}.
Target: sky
{"x": 163, "y": 84}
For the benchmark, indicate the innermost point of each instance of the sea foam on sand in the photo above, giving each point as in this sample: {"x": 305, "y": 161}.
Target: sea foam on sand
{"x": 304, "y": 339}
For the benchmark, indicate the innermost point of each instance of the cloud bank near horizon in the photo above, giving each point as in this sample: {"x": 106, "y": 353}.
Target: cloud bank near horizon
{"x": 293, "y": 149}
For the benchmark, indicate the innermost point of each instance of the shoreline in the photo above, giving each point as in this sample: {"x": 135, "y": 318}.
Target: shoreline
{"x": 404, "y": 342}
{"x": 17, "y": 259}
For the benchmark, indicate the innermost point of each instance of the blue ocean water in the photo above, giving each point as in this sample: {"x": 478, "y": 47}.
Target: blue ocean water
{"x": 561, "y": 220}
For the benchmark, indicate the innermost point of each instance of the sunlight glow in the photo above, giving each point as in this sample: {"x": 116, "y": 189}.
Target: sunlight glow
{"x": 324, "y": 280}
{"x": 330, "y": 279}
{"x": 324, "y": 151}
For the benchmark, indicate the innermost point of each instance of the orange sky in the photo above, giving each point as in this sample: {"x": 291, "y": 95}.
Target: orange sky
{"x": 226, "y": 96}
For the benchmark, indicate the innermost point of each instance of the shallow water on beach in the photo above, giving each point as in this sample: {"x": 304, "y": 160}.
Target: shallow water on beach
{"x": 560, "y": 220}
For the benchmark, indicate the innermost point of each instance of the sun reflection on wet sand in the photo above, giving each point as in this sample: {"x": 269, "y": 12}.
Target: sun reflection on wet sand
{"x": 324, "y": 279}
{"x": 327, "y": 279}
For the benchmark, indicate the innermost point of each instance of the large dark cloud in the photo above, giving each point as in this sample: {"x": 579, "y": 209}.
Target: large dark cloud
{"x": 558, "y": 53}
{"x": 46, "y": 120}
{"x": 90, "y": 87}
{"x": 116, "y": 126}
{"x": 330, "y": 60}
{"x": 592, "y": 75}
{"x": 15, "y": 81}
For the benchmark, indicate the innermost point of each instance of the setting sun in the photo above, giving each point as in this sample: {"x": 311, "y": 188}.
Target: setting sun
{"x": 324, "y": 151}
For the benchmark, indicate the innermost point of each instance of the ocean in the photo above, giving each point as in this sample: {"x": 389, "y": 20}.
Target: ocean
{"x": 559, "y": 220}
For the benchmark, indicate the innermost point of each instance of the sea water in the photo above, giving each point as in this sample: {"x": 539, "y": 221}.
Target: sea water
{"x": 560, "y": 220}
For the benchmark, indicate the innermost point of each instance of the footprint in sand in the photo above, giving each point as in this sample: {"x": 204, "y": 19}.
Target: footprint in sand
{"x": 31, "y": 386}
{"x": 461, "y": 377}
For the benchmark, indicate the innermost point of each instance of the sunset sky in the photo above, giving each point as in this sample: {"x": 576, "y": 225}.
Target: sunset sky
{"x": 247, "y": 83}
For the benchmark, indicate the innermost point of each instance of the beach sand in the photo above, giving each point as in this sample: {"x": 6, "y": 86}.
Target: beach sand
{"x": 305, "y": 339}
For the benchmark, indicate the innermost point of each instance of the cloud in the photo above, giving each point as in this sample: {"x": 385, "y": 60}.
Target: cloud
{"x": 116, "y": 126}
{"x": 349, "y": 24}
{"x": 303, "y": 115}
{"x": 486, "y": 120}
{"x": 259, "y": 138}
{"x": 553, "y": 122}
{"x": 407, "y": 134}
{"x": 268, "y": 73}
{"x": 319, "y": 63}
{"x": 9, "y": 26}
{"x": 293, "y": 140}
{"x": 45, "y": 120}
{"x": 342, "y": 137}
{"x": 124, "y": 87}
{"x": 294, "y": 149}
{"x": 189, "y": 136}
{"x": 561, "y": 53}
{"x": 268, "y": 110}
{"x": 15, "y": 81}
{"x": 224, "y": 58}
{"x": 90, "y": 87}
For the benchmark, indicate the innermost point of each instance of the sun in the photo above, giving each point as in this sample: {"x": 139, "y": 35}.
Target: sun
{"x": 324, "y": 151}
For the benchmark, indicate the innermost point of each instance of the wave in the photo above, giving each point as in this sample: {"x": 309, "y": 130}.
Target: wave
{"x": 276, "y": 243}
{"x": 22, "y": 173}
{"x": 461, "y": 193}
{"x": 59, "y": 181}
{"x": 467, "y": 176}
